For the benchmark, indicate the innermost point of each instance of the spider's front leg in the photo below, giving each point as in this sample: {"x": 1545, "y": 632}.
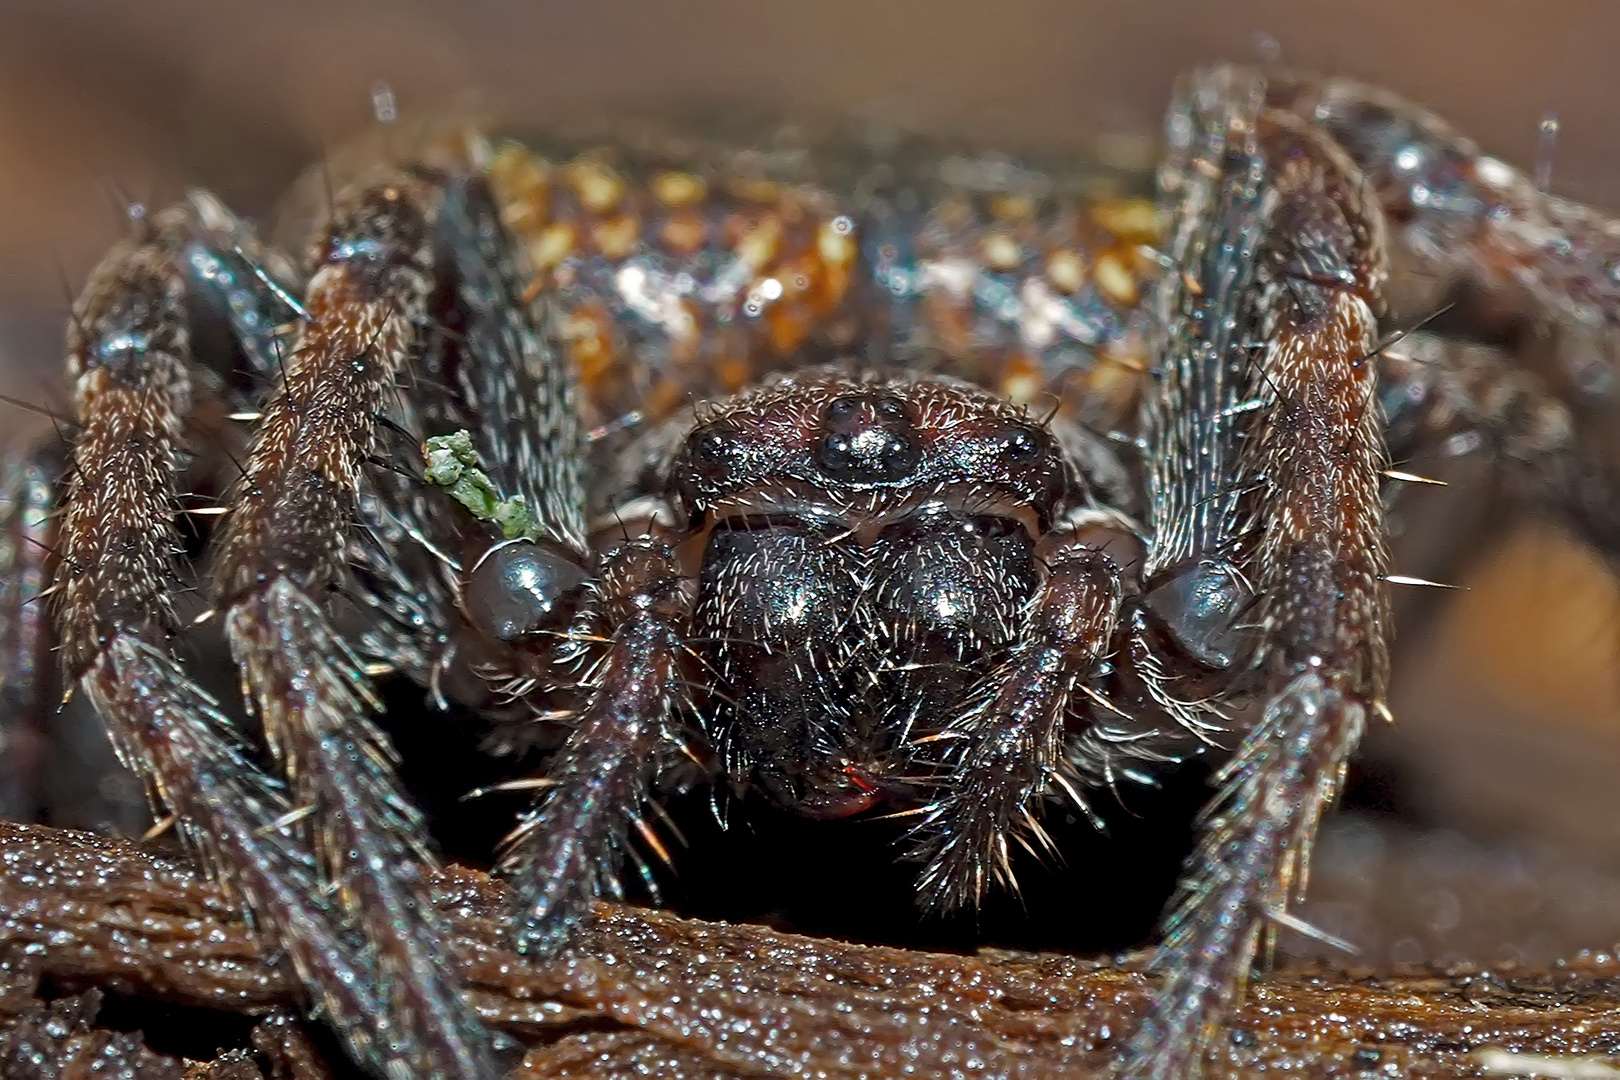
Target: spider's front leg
{"x": 129, "y": 354}
{"x": 373, "y": 273}
{"x": 1270, "y": 454}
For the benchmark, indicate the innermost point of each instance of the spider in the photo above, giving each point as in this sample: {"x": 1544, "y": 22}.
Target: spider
{"x": 868, "y": 476}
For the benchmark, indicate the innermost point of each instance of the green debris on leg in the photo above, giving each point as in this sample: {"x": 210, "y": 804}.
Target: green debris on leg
{"x": 452, "y": 464}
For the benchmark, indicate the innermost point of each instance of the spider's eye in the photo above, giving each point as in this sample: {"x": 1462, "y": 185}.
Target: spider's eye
{"x": 714, "y": 452}
{"x": 841, "y": 411}
{"x": 1020, "y": 444}
{"x": 892, "y": 408}
{"x": 521, "y": 588}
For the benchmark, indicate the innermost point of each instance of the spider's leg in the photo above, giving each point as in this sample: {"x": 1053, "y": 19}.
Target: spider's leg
{"x": 1468, "y": 398}
{"x": 1301, "y": 517}
{"x": 513, "y": 376}
{"x": 563, "y": 851}
{"x": 250, "y": 286}
{"x": 284, "y": 546}
{"x": 1005, "y": 753}
{"x": 28, "y": 482}
{"x": 1466, "y": 215}
{"x": 56, "y": 764}
{"x": 403, "y": 553}
{"x": 496, "y": 374}
{"x": 129, "y": 357}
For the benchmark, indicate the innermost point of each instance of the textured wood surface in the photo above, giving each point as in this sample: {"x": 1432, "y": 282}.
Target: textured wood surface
{"x": 649, "y": 991}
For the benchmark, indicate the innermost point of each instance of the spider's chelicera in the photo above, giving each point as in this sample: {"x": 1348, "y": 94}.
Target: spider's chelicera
{"x": 901, "y": 480}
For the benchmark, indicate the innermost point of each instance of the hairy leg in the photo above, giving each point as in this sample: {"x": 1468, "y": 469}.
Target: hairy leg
{"x": 129, "y": 355}
{"x": 283, "y": 547}
{"x": 1282, "y": 369}
{"x": 1467, "y": 216}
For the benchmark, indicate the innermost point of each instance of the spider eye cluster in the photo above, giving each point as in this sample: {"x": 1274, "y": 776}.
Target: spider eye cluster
{"x": 867, "y": 439}
{"x": 521, "y": 588}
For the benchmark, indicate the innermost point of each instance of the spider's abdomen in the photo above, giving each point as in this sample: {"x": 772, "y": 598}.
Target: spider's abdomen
{"x": 685, "y": 270}
{"x": 869, "y": 545}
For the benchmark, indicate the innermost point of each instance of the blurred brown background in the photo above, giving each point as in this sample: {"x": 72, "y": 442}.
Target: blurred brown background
{"x": 1512, "y": 734}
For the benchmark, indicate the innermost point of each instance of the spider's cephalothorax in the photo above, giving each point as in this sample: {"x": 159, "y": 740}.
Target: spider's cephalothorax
{"x": 924, "y": 481}
{"x": 869, "y": 550}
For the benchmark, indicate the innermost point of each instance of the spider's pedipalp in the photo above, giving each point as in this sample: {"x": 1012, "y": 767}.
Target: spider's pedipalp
{"x": 1013, "y": 739}
{"x": 565, "y": 850}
